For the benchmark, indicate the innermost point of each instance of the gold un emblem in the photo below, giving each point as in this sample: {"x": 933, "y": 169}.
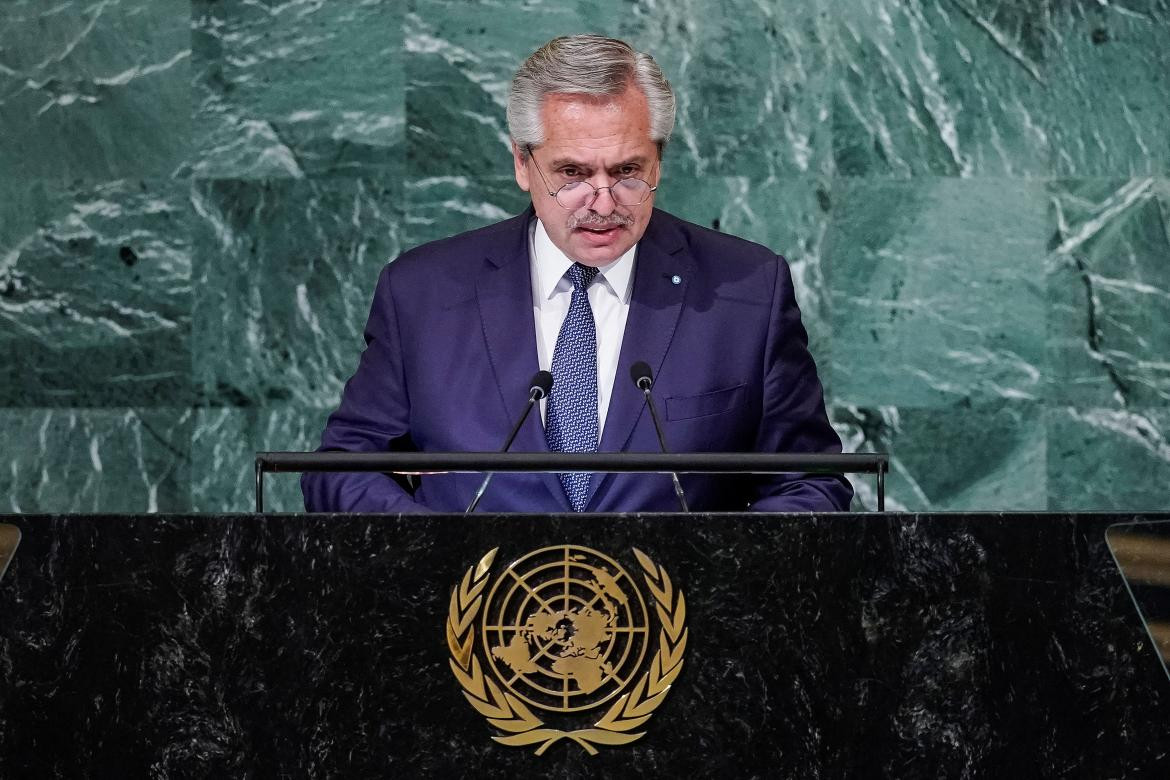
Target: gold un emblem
{"x": 565, "y": 630}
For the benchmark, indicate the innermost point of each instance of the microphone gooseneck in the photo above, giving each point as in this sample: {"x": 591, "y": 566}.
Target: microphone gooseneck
{"x": 644, "y": 380}
{"x": 538, "y": 387}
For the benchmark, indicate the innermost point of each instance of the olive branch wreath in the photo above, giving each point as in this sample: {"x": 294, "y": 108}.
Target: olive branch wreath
{"x": 507, "y": 713}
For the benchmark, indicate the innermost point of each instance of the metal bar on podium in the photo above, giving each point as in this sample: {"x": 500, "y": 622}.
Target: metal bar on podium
{"x": 616, "y": 462}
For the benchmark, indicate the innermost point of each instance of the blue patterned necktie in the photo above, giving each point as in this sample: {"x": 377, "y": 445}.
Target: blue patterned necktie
{"x": 572, "y": 405}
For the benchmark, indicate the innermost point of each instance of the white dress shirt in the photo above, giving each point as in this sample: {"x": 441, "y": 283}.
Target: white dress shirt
{"x": 609, "y": 297}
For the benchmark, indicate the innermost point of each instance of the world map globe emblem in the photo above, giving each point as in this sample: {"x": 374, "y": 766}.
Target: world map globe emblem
{"x": 565, "y": 628}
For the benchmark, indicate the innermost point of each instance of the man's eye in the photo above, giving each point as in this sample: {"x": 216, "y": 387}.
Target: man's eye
{"x": 571, "y": 173}
{"x": 628, "y": 170}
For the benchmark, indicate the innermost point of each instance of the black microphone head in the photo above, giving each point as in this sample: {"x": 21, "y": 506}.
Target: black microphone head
{"x": 542, "y": 381}
{"x": 640, "y": 373}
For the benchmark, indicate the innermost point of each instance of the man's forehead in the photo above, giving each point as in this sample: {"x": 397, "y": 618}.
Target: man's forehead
{"x": 579, "y": 103}
{"x": 597, "y": 130}
{"x": 629, "y": 108}
{"x": 560, "y": 158}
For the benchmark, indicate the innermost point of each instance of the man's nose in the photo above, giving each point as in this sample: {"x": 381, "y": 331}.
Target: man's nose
{"x": 603, "y": 202}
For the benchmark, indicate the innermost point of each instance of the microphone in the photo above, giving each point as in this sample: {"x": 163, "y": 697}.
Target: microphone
{"x": 538, "y": 387}
{"x": 640, "y": 373}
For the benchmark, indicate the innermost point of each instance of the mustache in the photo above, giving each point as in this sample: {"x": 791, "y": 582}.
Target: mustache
{"x": 594, "y": 220}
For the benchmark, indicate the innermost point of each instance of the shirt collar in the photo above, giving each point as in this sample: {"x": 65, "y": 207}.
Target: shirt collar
{"x": 550, "y": 264}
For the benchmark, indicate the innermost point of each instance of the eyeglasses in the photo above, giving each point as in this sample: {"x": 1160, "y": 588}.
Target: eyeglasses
{"x": 576, "y": 195}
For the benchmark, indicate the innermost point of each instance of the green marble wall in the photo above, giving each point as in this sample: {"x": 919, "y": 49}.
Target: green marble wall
{"x": 196, "y": 197}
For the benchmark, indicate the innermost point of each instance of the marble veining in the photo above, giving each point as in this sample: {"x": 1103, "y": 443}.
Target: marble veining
{"x": 197, "y": 197}
{"x": 960, "y": 88}
{"x": 95, "y": 460}
{"x": 910, "y": 645}
{"x": 904, "y": 261}
{"x": 291, "y": 304}
{"x": 94, "y": 91}
{"x": 297, "y": 89}
{"x": 95, "y": 277}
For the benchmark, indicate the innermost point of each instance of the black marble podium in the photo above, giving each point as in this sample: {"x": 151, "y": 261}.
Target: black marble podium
{"x": 952, "y": 645}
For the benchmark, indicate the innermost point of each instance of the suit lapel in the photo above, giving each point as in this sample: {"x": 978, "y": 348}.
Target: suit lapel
{"x": 656, "y": 303}
{"x": 503, "y": 293}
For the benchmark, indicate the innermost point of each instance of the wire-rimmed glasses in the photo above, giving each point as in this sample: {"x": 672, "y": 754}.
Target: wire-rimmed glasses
{"x": 576, "y": 195}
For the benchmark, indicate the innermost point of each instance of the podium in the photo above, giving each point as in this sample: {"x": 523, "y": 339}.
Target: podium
{"x": 815, "y": 645}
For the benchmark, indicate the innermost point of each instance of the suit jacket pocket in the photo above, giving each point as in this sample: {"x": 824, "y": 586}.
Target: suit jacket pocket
{"x": 686, "y": 407}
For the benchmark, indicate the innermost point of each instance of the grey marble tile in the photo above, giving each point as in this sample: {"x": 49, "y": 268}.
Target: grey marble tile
{"x": 95, "y": 460}
{"x": 224, "y": 443}
{"x": 95, "y": 295}
{"x": 284, "y": 274}
{"x": 1108, "y": 458}
{"x": 1109, "y": 293}
{"x": 295, "y": 89}
{"x": 936, "y": 291}
{"x": 93, "y": 91}
{"x": 986, "y": 457}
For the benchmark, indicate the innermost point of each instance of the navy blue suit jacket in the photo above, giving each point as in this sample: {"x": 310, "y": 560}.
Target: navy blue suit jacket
{"x": 451, "y": 348}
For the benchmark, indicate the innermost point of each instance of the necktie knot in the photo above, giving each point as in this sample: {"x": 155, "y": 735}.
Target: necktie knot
{"x": 582, "y": 275}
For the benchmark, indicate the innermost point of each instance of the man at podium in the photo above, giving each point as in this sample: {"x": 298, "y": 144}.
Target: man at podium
{"x": 589, "y": 281}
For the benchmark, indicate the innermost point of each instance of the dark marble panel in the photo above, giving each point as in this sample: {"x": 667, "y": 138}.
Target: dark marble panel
{"x": 95, "y": 296}
{"x": 835, "y": 646}
{"x": 750, "y": 84}
{"x": 224, "y": 443}
{"x": 284, "y": 274}
{"x": 964, "y": 458}
{"x": 1106, "y": 458}
{"x": 1004, "y": 88}
{"x": 93, "y": 91}
{"x": 936, "y": 291}
{"x": 95, "y": 460}
{"x": 297, "y": 89}
{"x": 1109, "y": 293}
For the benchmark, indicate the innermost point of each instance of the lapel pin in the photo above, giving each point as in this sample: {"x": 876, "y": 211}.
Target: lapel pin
{"x": 676, "y": 279}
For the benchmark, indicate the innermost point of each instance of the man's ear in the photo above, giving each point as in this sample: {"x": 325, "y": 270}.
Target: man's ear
{"x": 521, "y": 167}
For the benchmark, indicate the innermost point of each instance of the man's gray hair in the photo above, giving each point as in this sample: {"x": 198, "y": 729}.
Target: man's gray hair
{"x": 586, "y": 65}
